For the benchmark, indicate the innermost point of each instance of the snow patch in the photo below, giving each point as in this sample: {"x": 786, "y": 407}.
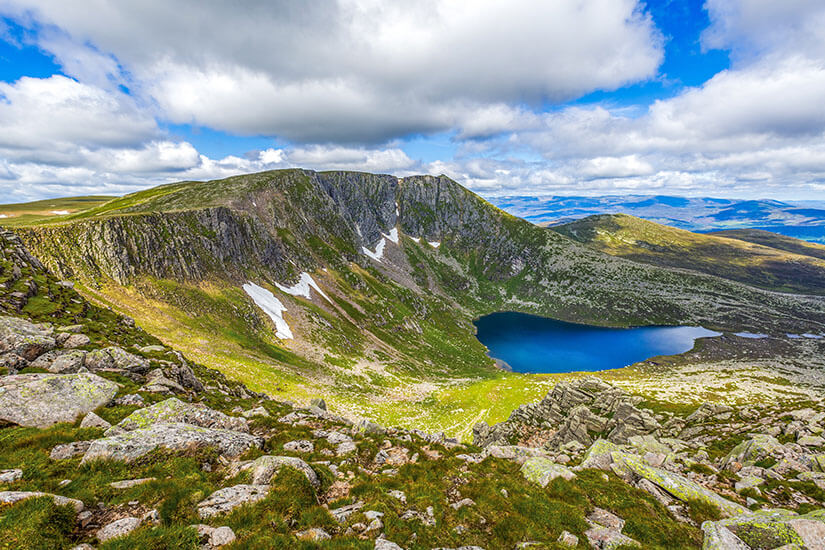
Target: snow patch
{"x": 814, "y": 336}
{"x": 393, "y": 236}
{"x": 397, "y": 210}
{"x": 379, "y": 250}
{"x": 416, "y": 239}
{"x": 434, "y": 244}
{"x": 3, "y": 216}
{"x": 59, "y": 212}
{"x": 272, "y": 306}
{"x": 750, "y": 335}
{"x": 301, "y": 288}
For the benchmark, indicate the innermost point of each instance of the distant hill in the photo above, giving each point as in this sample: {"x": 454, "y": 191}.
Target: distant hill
{"x": 780, "y": 242}
{"x": 802, "y": 220}
{"x": 757, "y": 258}
{"x": 47, "y": 210}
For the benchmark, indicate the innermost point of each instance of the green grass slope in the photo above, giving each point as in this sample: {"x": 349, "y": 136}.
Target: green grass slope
{"x": 774, "y": 240}
{"x": 775, "y": 262}
{"x": 48, "y": 210}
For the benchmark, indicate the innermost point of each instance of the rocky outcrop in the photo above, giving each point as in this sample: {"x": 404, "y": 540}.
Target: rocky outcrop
{"x": 173, "y": 436}
{"x": 542, "y": 471}
{"x": 579, "y": 411}
{"x": 768, "y": 530}
{"x": 25, "y": 339}
{"x": 41, "y": 400}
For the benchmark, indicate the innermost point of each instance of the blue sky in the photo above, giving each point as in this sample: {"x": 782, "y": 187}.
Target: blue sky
{"x": 719, "y": 98}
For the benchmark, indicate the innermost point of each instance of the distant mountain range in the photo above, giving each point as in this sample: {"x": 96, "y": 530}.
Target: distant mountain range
{"x": 799, "y": 219}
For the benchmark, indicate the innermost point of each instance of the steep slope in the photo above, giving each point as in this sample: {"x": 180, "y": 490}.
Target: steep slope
{"x": 774, "y": 240}
{"x": 401, "y": 268}
{"x": 757, "y": 264}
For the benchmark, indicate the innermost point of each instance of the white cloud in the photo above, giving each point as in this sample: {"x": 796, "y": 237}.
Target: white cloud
{"x": 59, "y": 113}
{"x": 354, "y": 70}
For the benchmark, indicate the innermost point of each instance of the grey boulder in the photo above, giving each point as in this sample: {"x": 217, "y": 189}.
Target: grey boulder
{"x": 173, "y": 436}
{"x": 40, "y": 400}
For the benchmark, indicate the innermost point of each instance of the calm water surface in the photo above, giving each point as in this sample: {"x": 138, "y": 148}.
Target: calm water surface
{"x": 536, "y": 344}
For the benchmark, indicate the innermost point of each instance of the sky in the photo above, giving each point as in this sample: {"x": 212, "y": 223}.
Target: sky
{"x": 721, "y": 98}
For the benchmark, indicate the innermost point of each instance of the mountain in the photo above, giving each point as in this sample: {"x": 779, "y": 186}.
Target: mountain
{"x": 776, "y": 263}
{"x": 802, "y": 219}
{"x": 376, "y": 279}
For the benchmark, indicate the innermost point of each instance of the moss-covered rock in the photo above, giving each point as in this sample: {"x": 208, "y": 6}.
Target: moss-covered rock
{"x": 543, "y": 470}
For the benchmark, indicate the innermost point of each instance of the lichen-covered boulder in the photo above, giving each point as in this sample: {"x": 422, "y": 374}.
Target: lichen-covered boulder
{"x": 175, "y": 410}
{"x": 173, "y": 436}
{"x": 767, "y": 529}
{"x": 753, "y": 450}
{"x": 542, "y": 470}
{"x": 25, "y": 339}
{"x": 229, "y": 498}
{"x": 266, "y": 467}
{"x": 598, "y": 455}
{"x": 674, "y": 484}
{"x": 40, "y": 400}
{"x": 10, "y": 497}
{"x": 67, "y": 362}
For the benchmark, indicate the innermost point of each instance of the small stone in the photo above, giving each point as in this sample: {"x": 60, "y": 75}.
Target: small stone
{"x": 318, "y": 402}
{"x": 10, "y": 476}
{"x": 399, "y": 495}
{"x": 375, "y": 525}
{"x": 568, "y": 539}
{"x": 119, "y": 528}
{"x": 76, "y": 341}
{"x": 69, "y": 450}
{"x": 128, "y": 483}
{"x": 92, "y": 420}
{"x": 222, "y": 536}
{"x": 462, "y": 503}
{"x": 152, "y": 516}
{"x": 229, "y": 498}
{"x": 384, "y": 544}
{"x": 313, "y": 534}
{"x": 606, "y": 519}
{"x": 300, "y": 446}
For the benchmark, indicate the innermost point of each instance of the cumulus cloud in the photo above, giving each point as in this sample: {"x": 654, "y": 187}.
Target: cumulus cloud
{"x": 358, "y": 70}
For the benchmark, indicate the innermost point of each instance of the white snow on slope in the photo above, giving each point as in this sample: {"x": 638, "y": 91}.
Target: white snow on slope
{"x": 435, "y": 244}
{"x": 301, "y": 288}
{"x": 3, "y": 216}
{"x": 416, "y": 239}
{"x": 379, "y": 250}
{"x": 393, "y": 236}
{"x": 60, "y": 212}
{"x": 272, "y": 306}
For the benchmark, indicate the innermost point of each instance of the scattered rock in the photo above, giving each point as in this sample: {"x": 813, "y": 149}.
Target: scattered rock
{"x": 69, "y": 450}
{"x": 10, "y": 476}
{"x": 128, "y": 483}
{"x": 300, "y": 446}
{"x": 76, "y": 341}
{"x": 229, "y": 498}
{"x": 313, "y": 534}
{"x": 119, "y": 528}
{"x": 266, "y": 467}
{"x": 568, "y": 539}
{"x": 92, "y": 420}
